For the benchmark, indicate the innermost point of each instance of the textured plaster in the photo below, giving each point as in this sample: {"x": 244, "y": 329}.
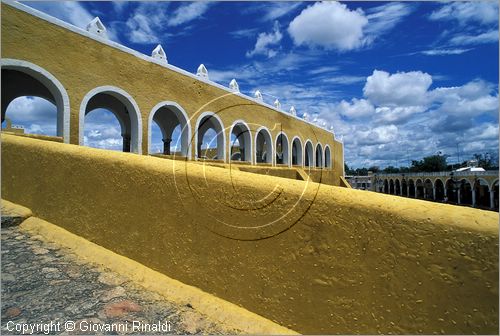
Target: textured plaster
{"x": 314, "y": 258}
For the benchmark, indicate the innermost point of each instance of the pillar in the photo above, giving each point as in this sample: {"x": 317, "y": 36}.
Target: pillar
{"x": 126, "y": 142}
{"x": 458, "y": 196}
{"x": 492, "y": 199}
{"x": 414, "y": 191}
{"x": 434, "y": 193}
{"x": 473, "y": 191}
{"x": 445, "y": 191}
{"x": 166, "y": 146}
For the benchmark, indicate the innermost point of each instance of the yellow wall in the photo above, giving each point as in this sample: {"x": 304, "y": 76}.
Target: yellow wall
{"x": 82, "y": 64}
{"x": 314, "y": 258}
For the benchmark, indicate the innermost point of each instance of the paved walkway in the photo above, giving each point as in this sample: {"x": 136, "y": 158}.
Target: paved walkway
{"x": 42, "y": 284}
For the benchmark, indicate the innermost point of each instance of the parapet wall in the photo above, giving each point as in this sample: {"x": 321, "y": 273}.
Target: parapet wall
{"x": 314, "y": 258}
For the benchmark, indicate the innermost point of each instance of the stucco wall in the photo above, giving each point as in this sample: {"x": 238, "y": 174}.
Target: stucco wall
{"x": 82, "y": 64}
{"x": 314, "y": 258}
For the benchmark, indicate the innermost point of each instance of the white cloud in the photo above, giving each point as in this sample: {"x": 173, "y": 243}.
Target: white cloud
{"x": 464, "y": 39}
{"x": 402, "y": 88}
{"x": 265, "y": 41}
{"x": 344, "y": 80}
{"x": 278, "y": 9}
{"x": 383, "y": 18}
{"x": 357, "y": 108}
{"x": 330, "y": 25}
{"x": 244, "y": 33}
{"x": 483, "y": 12}
{"x": 69, "y": 11}
{"x": 442, "y": 52}
{"x": 188, "y": 12}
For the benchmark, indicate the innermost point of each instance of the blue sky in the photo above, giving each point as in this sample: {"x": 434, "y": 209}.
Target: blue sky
{"x": 395, "y": 79}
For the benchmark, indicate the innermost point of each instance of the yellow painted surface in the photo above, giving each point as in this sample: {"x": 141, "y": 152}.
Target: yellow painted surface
{"x": 12, "y": 209}
{"x": 219, "y": 311}
{"x": 82, "y": 64}
{"x": 311, "y": 257}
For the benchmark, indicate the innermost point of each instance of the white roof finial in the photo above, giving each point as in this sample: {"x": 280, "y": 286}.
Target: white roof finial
{"x": 277, "y": 104}
{"x": 293, "y": 111}
{"x": 202, "y": 71}
{"x": 159, "y": 53}
{"x": 233, "y": 85}
{"x": 305, "y": 116}
{"x": 96, "y": 27}
{"x": 258, "y": 95}
{"x": 323, "y": 124}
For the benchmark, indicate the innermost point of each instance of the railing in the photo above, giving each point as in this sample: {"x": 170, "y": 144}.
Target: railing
{"x": 455, "y": 173}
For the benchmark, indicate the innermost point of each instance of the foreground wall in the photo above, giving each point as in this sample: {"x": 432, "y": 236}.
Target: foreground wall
{"x": 314, "y": 258}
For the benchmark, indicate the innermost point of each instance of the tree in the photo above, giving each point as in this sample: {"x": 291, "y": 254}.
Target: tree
{"x": 485, "y": 161}
{"x": 391, "y": 170}
{"x": 433, "y": 163}
{"x": 374, "y": 169}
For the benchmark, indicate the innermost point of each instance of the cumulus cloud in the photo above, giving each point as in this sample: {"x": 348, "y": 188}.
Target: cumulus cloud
{"x": 265, "y": 42}
{"x": 356, "y": 108}
{"x": 330, "y": 25}
{"x": 482, "y": 12}
{"x": 402, "y": 88}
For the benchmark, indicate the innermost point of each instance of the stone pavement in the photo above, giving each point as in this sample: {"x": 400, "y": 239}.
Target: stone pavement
{"x": 42, "y": 283}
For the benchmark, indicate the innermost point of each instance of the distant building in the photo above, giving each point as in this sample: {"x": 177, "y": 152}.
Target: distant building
{"x": 360, "y": 182}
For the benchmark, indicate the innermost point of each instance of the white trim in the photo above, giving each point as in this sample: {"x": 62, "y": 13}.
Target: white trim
{"x": 143, "y": 57}
{"x": 168, "y": 103}
{"x": 493, "y": 184}
{"x": 47, "y": 79}
{"x": 311, "y": 164}
{"x": 135, "y": 113}
{"x": 324, "y": 153}
{"x": 287, "y": 145}
{"x": 301, "y": 151}
{"x": 242, "y": 122}
{"x": 263, "y": 128}
{"x": 223, "y": 131}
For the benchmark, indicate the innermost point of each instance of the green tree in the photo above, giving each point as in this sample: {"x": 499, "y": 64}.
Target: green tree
{"x": 485, "y": 161}
{"x": 391, "y": 170}
{"x": 433, "y": 163}
{"x": 374, "y": 169}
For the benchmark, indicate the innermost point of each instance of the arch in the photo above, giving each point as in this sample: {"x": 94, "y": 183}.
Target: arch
{"x": 428, "y": 189}
{"x": 297, "y": 155}
{"x": 482, "y": 193}
{"x": 282, "y": 149}
{"x": 206, "y": 121}
{"x": 168, "y": 115}
{"x": 50, "y": 87}
{"x": 263, "y": 146}
{"x": 404, "y": 187}
{"x": 411, "y": 188}
{"x": 386, "y": 186}
{"x": 328, "y": 157}
{"x": 451, "y": 191}
{"x": 113, "y": 98}
{"x": 397, "y": 187}
{"x": 319, "y": 156}
{"x": 494, "y": 190}
{"x": 419, "y": 189}
{"x": 391, "y": 186}
{"x": 308, "y": 154}
{"x": 244, "y": 138}
{"x": 439, "y": 189}
{"x": 465, "y": 196}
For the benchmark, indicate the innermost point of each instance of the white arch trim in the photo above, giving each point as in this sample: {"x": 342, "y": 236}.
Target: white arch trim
{"x": 223, "y": 130}
{"x": 264, "y": 128}
{"x": 135, "y": 125}
{"x": 313, "y": 163}
{"x": 493, "y": 184}
{"x": 301, "y": 150}
{"x": 62, "y": 100}
{"x": 288, "y": 146}
{"x": 168, "y": 103}
{"x": 329, "y": 165}
{"x": 242, "y": 122}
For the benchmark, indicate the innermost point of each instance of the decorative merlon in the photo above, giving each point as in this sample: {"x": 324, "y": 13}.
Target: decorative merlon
{"x": 96, "y": 27}
{"x": 159, "y": 53}
{"x": 233, "y": 85}
{"x": 277, "y": 104}
{"x": 293, "y": 111}
{"x": 258, "y": 95}
{"x": 202, "y": 71}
